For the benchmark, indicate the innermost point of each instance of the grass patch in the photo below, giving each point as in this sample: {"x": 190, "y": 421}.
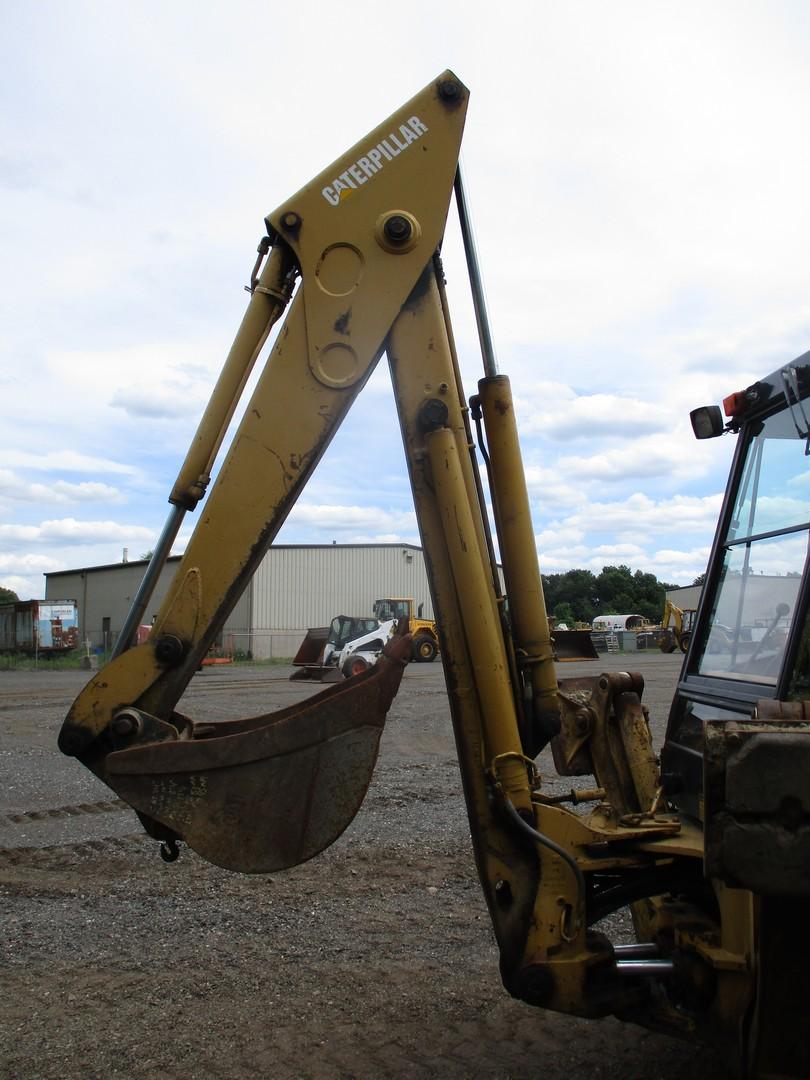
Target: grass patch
{"x": 43, "y": 662}
{"x": 273, "y": 661}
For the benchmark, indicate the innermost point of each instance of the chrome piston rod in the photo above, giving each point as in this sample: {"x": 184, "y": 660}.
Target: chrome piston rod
{"x": 476, "y": 281}
{"x": 644, "y": 967}
{"x": 147, "y": 585}
{"x": 641, "y": 959}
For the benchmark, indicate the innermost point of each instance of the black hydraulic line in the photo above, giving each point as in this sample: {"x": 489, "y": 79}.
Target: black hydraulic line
{"x": 676, "y": 880}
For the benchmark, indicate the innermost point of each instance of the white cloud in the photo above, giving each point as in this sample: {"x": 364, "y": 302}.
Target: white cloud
{"x": 571, "y": 537}
{"x": 677, "y": 557}
{"x": 373, "y": 520}
{"x": 66, "y": 461}
{"x": 626, "y": 532}
{"x": 634, "y": 459}
{"x": 154, "y": 403}
{"x": 72, "y": 531}
{"x": 641, "y": 253}
{"x": 640, "y": 515}
{"x": 549, "y": 492}
{"x": 624, "y": 552}
{"x": 563, "y": 414}
{"x": 25, "y": 587}
{"x": 18, "y": 563}
{"x": 61, "y": 491}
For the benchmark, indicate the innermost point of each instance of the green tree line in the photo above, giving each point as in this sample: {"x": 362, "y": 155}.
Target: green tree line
{"x": 580, "y": 595}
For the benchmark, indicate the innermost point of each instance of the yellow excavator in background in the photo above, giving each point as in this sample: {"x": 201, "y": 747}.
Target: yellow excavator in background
{"x": 677, "y": 636}
{"x": 713, "y": 863}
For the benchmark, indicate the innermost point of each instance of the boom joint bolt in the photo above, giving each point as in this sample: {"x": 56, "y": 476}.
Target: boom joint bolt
{"x": 125, "y": 723}
{"x": 449, "y": 90}
{"x": 433, "y": 414}
{"x": 397, "y": 229}
{"x": 169, "y": 650}
{"x": 291, "y": 222}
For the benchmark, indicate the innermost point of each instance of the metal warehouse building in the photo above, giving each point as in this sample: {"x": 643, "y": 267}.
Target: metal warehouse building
{"x": 294, "y": 588}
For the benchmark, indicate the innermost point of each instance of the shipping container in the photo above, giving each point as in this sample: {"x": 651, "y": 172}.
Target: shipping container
{"x": 7, "y": 638}
{"x": 39, "y": 626}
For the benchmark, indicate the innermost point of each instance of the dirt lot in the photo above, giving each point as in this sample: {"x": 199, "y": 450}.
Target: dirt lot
{"x": 373, "y": 960}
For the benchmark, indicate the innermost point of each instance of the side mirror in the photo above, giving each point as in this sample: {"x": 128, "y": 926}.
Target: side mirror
{"x": 707, "y": 422}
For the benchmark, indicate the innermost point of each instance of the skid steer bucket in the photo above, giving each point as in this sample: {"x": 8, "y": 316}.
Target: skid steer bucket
{"x": 570, "y": 645}
{"x": 268, "y": 792}
{"x": 309, "y": 658}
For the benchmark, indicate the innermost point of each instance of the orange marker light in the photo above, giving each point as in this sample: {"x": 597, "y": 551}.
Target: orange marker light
{"x": 735, "y": 404}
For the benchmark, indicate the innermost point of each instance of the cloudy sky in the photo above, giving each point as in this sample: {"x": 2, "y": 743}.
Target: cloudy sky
{"x": 638, "y": 173}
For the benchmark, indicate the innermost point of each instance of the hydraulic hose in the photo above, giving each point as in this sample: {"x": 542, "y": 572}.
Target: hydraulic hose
{"x": 547, "y": 842}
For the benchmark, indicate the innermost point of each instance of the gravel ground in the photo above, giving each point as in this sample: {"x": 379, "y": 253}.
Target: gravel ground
{"x": 375, "y": 959}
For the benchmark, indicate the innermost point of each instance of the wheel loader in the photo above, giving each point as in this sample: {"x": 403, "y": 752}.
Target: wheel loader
{"x": 707, "y": 844}
{"x": 424, "y": 632}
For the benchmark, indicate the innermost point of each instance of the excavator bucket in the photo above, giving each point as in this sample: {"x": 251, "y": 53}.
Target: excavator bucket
{"x": 570, "y": 645}
{"x": 265, "y": 793}
{"x": 309, "y": 658}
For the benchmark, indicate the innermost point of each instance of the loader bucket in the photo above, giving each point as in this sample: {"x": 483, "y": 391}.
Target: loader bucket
{"x": 309, "y": 658}
{"x": 268, "y": 792}
{"x": 310, "y": 651}
{"x": 570, "y": 645}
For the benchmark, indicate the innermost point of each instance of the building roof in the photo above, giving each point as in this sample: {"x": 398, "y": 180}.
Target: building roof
{"x": 273, "y": 547}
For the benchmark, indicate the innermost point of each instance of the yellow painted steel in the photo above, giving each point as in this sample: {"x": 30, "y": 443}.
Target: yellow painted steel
{"x": 483, "y": 631}
{"x": 335, "y": 225}
{"x": 266, "y": 305}
{"x": 423, "y": 370}
{"x": 542, "y": 921}
{"x": 513, "y": 519}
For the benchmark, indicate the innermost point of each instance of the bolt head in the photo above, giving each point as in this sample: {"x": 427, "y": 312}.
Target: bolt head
{"x": 449, "y": 90}
{"x": 433, "y": 414}
{"x": 124, "y": 724}
{"x": 290, "y": 221}
{"x": 169, "y": 649}
{"x": 397, "y": 229}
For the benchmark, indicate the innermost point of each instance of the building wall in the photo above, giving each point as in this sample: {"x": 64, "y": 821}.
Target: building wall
{"x": 299, "y": 587}
{"x": 105, "y": 593}
{"x": 294, "y": 588}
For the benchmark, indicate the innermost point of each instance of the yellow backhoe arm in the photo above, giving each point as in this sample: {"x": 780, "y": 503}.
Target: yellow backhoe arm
{"x": 353, "y": 260}
{"x": 359, "y": 236}
{"x": 362, "y": 238}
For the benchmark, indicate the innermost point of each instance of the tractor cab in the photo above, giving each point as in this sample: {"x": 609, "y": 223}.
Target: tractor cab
{"x": 393, "y": 608}
{"x": 750, "y": 640}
